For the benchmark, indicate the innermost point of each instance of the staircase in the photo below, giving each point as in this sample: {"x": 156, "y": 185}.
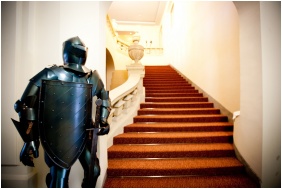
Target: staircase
{"x": 178, "y": 139}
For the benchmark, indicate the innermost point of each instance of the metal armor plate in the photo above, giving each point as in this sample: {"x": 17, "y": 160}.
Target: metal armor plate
{"x": 64, "y": 115}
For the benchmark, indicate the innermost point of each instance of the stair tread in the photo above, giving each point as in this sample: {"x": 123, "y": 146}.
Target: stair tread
{"x": 178, "y": 111}
{"x": 178, "y": 116}
{"x": 230, "y": 181}
{"x": 174, "y": 166}
{"x": 174, "y": 134}
{"x": 180, "y": 124}
{"x": 174, "y": 137}
{"x": 176, "y": 99}
{"x": 170, "y": 147}
{"x": 176, "y": 103}
{"x": 173, "y": 94}
{"x": 171, "y": 150}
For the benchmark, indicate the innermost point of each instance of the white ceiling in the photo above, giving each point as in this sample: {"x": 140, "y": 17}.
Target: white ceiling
{"x": 137, "y": 12}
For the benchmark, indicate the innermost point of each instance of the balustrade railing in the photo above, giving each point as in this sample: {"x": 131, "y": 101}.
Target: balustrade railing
{"x": 125, "y": 101}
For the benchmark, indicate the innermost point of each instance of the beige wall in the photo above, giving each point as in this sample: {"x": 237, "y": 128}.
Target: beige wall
{"x": 271, "y": 85}
{"x": 204, "y": 41}
{"x": 248, "y": 129}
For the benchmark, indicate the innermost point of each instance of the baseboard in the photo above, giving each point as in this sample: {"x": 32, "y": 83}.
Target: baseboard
{"x": 249, "y": 171}
{"x": 19, "y": 181}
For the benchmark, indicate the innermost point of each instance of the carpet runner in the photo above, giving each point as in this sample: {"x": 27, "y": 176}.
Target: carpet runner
{"x": 177, "y": 140}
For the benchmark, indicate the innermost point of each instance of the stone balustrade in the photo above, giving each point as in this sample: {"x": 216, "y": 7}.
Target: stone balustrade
{"x": 125, "y": 101}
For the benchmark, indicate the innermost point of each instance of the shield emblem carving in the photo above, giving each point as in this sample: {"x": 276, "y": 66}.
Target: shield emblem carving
{"x": 64, "y": 115}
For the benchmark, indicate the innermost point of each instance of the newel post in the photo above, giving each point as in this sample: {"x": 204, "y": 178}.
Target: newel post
{"x": 137, "y": 69}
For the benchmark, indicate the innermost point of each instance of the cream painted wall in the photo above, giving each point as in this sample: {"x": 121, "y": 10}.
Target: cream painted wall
{"x": 204, "y": 45}
{"x": 271, "y": 86}
{"x": 35, "y": 38}
{"x": 257, "y": 132}
{"x": 248, "y": 133}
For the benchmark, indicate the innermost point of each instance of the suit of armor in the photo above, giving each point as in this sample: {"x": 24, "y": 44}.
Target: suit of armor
{"x": 56, "y": 108}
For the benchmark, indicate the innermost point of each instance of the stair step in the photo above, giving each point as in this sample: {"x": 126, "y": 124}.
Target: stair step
{"x": 164, "y": 74}
{"x": 164, "y": 80}
{"x": 178, "y": 127}
{"x": 175, "y": 111}
{"x": 168, "y": 83}
{"x": 182, "y": 166}
{"x": 174, "y": 94}
{"x": 179, "y": 90}
{"x": 170, "y": 88}
{"x": 180, "y": 118}
{"x": 171, "y": 151}
{"x": 229, "y": 181}
{"x": 176, "y": 99}
{"x": 174, "y": 137}
{"x": 176, "y": 105}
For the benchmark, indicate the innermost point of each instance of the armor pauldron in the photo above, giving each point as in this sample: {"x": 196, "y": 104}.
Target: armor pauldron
{"x": 46, "y": 73}
{"x": 97, "y": 83}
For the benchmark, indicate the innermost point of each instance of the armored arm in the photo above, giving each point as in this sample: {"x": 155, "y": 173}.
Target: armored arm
{"x": 27, "y": 109}
{"x": 100, "y": 92}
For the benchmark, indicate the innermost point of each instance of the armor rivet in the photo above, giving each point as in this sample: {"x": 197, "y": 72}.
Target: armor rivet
{"x": 42, "y": 101}
{"x": 52, "y": 110}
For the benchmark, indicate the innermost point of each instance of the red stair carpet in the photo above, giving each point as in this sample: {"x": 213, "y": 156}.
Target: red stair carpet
{"x": 177, "y": 140}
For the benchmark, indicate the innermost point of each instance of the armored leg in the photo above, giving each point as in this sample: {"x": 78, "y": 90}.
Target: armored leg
{"x": 58, "y": 177}
{"x": 85, "y": 162}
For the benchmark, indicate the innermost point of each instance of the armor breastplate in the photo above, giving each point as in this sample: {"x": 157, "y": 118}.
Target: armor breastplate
{"x": 64, "y": 115}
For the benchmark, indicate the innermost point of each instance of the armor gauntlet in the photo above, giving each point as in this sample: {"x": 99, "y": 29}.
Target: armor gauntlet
{"x": 105, "y": 112}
